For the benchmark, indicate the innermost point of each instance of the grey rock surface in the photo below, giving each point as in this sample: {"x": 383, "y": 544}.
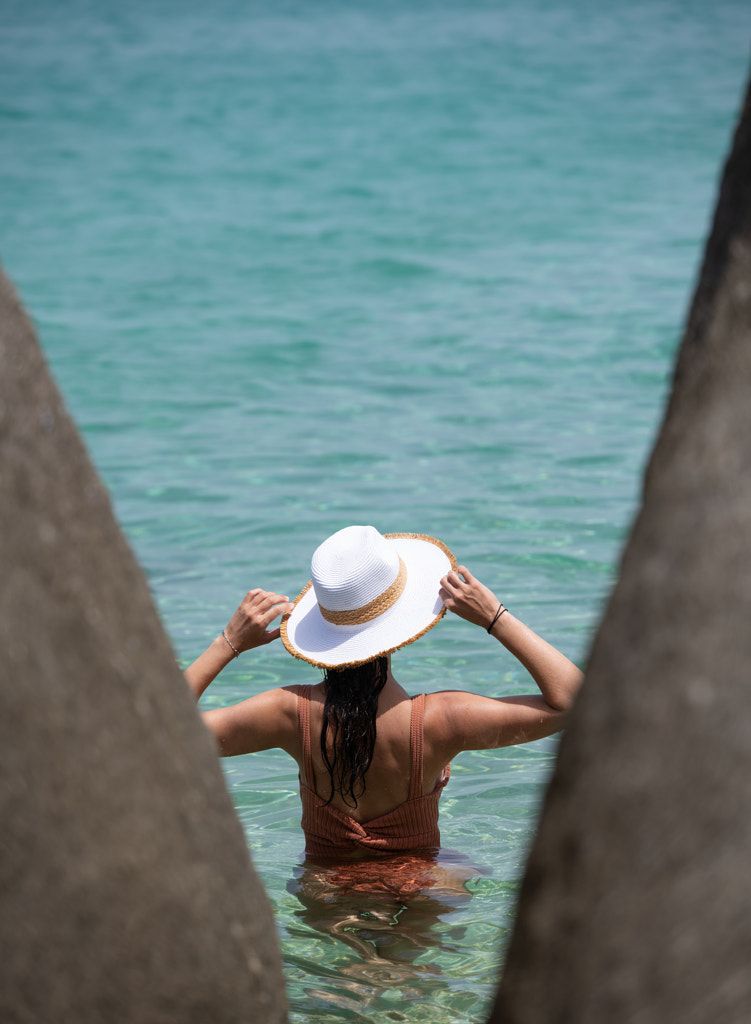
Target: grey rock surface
{"x": 636, "y": 905}
{"x": 126, "y": 889}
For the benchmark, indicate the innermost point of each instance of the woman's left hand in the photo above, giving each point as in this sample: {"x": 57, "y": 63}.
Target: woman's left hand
{"x": 467, "y": 597}
{"x": 248, "y": 627}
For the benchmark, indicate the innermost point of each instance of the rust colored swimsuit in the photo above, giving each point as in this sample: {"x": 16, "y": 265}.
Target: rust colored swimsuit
{"x": 412, "y": 825}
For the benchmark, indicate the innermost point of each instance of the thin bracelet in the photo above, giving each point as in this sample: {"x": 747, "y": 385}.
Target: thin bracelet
{"x": 237, "y": 653}
{"x": 496, "y": 617}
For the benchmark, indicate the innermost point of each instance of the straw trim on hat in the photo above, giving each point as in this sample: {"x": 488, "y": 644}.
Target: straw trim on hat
{"x": 370, "y": 595}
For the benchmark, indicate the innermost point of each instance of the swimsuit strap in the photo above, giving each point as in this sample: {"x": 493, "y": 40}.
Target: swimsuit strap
{"x": 416, "y": 744}
{"x": 303, "y": 720}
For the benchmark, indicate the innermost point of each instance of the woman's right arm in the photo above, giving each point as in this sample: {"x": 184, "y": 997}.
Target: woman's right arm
{"x": 261, "y": 722}
{"x": 248, "y": 628}
{"x": 473, "y": 722}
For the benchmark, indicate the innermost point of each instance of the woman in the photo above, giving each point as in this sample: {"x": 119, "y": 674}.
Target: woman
{"x": 373, "y": 761}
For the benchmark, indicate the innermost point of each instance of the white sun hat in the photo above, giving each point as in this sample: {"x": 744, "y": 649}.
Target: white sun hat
{"x": 369, "y": 595}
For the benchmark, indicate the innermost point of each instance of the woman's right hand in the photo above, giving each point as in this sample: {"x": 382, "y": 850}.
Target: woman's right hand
{"x": 467, "y": 597}
{"x": 249, "y": 626}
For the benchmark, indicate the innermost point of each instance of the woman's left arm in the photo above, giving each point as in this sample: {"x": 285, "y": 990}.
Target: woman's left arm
{"x": 248, "y": 628}
{"x": 557, "y": 677}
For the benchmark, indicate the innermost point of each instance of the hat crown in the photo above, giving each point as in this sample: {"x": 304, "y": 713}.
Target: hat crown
{"x": 352, "y": 568}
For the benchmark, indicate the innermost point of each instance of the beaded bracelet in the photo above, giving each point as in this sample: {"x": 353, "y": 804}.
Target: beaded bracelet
{"x": 237, "y": 653}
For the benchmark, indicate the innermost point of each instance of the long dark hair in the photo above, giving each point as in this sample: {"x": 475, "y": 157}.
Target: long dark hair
{"x": 350, "y": 713}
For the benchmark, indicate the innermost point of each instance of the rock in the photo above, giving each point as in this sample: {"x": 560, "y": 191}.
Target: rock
{"x": 127, "y": 890}
{"x": 636, "y": 904}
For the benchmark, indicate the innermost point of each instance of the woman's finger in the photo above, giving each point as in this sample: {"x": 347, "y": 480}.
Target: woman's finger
{"x": 258, "y": 603}
{"x": 450, "y": 581}
{"x": 280, "y": 607}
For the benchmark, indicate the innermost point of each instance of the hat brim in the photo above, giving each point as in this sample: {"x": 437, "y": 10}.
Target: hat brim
{"x": 307, "y": 635}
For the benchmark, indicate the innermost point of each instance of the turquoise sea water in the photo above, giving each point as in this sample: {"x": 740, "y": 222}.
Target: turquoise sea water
{"x": 422, "y": 265}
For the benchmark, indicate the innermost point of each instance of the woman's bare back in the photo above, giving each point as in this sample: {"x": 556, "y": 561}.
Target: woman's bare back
{"x": 388, "y": 777}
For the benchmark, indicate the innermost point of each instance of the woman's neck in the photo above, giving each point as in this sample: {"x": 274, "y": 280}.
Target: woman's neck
{"x": 393, "y": 691}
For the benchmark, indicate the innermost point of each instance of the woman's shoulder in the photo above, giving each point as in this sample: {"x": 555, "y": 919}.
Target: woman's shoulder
{"x": 315, "y": 692}
{"x": 443, "y": 700}
{"x": 444, "y": 720}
